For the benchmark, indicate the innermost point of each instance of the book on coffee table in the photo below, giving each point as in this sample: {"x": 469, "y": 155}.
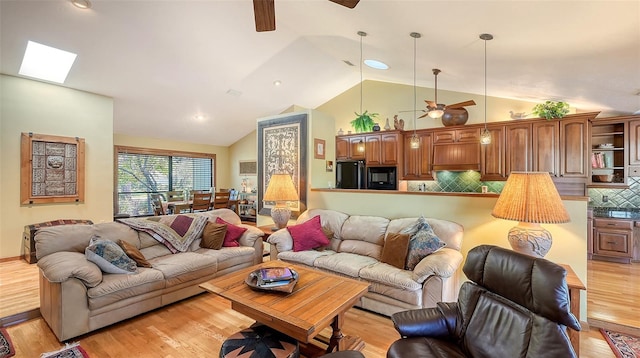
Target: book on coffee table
{"x": 274, "y": 274}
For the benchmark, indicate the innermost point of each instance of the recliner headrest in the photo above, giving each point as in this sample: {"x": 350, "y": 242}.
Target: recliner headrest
{"x": 535, "y": 283}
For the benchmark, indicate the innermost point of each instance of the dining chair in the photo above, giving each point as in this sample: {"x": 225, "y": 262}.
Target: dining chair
{"x": 233, "y": 201}
{"x": 221, "y": 200}
{"x": 178, "y": 195}
{"x": 201, "y": 202}
{"x": 156, "y": 203}
{"x": 192, "y": 192}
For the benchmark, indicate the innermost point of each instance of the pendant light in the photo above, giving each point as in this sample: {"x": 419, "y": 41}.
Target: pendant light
{"x": 485, "y": 135}
{"x": 362, "y": 34}
{"x": 415, "y": 141}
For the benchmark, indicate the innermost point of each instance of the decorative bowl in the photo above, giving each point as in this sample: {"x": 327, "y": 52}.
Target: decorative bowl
{"x": 604, "y": 178}
{"x": 606, "y": 146}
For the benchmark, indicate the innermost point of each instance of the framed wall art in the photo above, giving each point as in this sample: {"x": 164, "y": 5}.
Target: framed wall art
{"x": 248, "y": 167}
{"x": 51, "y": 169}
{"x": 282, "y": 147}
{"x": 318, "y": 148}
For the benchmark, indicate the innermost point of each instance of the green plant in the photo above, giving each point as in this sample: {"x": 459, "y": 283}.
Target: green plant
{"x": 551, "y": 109}
{"x": 364, "y": 122}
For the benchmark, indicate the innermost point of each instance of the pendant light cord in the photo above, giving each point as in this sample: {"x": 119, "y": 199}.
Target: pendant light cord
{"x": 485, "y": 85}
{"x": 362, "y": 34}
{"x": 415, "y": 39}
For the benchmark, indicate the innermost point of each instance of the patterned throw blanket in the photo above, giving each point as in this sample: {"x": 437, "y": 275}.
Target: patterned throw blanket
{"x": 176, "y": 232}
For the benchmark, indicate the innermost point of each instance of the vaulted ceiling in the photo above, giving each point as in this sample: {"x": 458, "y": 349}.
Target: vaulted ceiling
{"x": 164, "y": 62}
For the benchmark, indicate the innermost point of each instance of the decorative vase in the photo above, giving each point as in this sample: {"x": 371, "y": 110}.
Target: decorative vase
{"x": 455, "y": 117}
{"x": 387, "y": 126}
{"x": 376, "y": 127}
{"x": 340, "y": 131}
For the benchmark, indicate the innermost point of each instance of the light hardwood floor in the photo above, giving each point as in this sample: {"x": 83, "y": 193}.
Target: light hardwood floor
{"x": 197, "y": 326}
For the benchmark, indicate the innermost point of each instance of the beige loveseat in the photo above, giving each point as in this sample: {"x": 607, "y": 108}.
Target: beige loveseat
{"x": 355, "y": 251}
{"x": 76, "y": 297}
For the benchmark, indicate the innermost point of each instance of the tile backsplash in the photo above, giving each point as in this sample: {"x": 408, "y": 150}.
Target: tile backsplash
{"x": 459, "y": 182}
{"x": 620, "y": 198}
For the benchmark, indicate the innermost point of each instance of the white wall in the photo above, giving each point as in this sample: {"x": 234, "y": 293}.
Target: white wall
{"x": 32, "y": 106}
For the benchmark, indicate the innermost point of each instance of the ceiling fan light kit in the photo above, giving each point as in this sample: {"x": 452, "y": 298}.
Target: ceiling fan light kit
{"x": 453, "y": 114}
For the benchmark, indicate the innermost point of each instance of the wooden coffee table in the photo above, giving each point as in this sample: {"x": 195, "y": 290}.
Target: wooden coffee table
{"x": 319, "y": 300}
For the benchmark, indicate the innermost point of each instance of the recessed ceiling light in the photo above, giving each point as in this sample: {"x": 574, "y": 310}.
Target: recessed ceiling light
{"x": 234, "y": 93}
{"x": 199, "y": 117}
{"x": 81, "y": 4}
{"x": 46, "y": 63}
{"x": 378, "y": 65}
{"x": 277, "y": 83}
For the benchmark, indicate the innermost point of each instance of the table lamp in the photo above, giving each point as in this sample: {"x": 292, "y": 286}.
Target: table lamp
{"x": 531, "y": 199}
{"x": 281, "y": 190}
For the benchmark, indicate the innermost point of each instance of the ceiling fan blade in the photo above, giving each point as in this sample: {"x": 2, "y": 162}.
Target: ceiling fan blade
{"x": 431, "y": 104}
{"x": 462, "y": 104}
{"x": 348, "y": 3}
{"x": 424, "y": 115}
{"x": 265, "y": 14}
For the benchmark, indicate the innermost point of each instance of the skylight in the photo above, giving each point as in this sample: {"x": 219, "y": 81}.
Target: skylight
{"x": 378, "y": 65}
{"x": 46, "y": 63}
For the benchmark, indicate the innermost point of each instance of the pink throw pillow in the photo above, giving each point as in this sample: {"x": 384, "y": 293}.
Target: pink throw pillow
{"x": 308, "y": 235}
{"x": 233, "y": 234}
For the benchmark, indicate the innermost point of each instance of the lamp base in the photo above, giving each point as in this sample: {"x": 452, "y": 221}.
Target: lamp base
{"x": 280, "y": 216}
{"x": 530, "y": 239}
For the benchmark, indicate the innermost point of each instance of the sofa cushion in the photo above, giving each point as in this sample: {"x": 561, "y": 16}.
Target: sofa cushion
{"x": 115, "y": 231}
{"x": 109, "y": 257}
{"x": 229, "y": 256}
{"x": 423, "y": 242}
{"x": 134, "y": 253}
{"x": 303, "y": 257}
{"x": 154, "y": 251}
{"x": 183, "y": 267}
{"x": 343, "y": 263}
{"x": 390, "y": 276}
{"x": 233, "y": 233}
{"x": 114, "y": 288}
{"x": 213, "y": 235}
{"x": 448, "y": 231}
{"x": 60, "y": 266}
{"x": 363, "y": 235}
{"x": 308, "y": 235}
{"x": 396, "y": 247}
{"x": 52, "y": 239}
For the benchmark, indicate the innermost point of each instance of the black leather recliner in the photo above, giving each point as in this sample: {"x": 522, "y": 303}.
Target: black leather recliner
{"x": 515, "y": 306}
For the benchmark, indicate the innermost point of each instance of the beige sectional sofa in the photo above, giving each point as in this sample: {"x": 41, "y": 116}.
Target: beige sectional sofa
{"x": 76, "y": 297}
{"x": 355, "y": 251}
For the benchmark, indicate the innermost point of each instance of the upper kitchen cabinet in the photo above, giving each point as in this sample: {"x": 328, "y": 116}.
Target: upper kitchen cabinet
{"x": 350, "y": 147}
{"x": 518, "y": 147}
{"x": 460, "y": 135}
{"x": 609, "y": 150}
{"x": 634, "y": 142}
{"x": 383, "y": 148}
{"x": 417, "y": 161}
{"x": 492, "y": 155}
{"x": 456, "y": 149}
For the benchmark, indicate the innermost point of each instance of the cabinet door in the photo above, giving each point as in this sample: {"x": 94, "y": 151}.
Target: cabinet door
{"x": 372, "y": 149}
{"x": 573, "y": 148}
{"x": 417, "y": 162}
{"x": 470, "y": 135}
{"x": 492, "y": 156}
{"x": 546, "y": 147}
{"x": 389, "y": 151}
{"x": 634, "y": 142}
{"x": 342, "y": 148}
{"x": 518, "y": 148}
{"x": 356, "y": 147}
{"x": 613, "y": 243}
{"x": 445, "y": 136}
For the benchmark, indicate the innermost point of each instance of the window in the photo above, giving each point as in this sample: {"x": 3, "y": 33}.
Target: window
{"x": 141, "y": 172}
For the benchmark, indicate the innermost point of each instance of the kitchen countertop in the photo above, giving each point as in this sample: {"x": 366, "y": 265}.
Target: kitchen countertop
{"x": 617, "y": 213}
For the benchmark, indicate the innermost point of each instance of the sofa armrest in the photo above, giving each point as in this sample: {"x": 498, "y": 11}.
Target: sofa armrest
{"x": 250, "y": 236}
{"x": 436, "y": 322}
{"x": 282, "y": 240}
{"x": 60, "y": 266}
{"x": 443, "y": 263}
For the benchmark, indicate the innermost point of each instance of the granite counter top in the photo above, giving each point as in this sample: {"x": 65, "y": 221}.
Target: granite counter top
{"x": 617, "y": 213}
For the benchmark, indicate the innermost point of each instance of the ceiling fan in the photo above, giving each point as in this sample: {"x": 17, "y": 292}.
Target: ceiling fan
{"x": 265, "y": 12}
{"x": 436, "y": 110}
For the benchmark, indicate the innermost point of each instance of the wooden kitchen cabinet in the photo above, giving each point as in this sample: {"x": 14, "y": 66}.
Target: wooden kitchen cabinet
{"x": 347, "y": 147}
{"x": 613, "y": 239}
{"x": 518, "y": 147}
{"x": 342, "y": 148}
{"x": 383, "y": 149}
{"x": 609, "y": 141}
{"x": 417, "y": 162}
{"x": 634, "y": 142}
{"x": 560, "y": 147}
{"x": 492, "y": 155}
{"x": 462, "y": 135}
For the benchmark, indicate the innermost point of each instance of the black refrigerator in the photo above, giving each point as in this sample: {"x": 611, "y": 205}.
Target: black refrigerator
{"x": 350, "y": 174}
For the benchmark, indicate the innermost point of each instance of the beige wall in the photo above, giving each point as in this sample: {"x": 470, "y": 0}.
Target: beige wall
{"x": 32, "y": 106}
{"x": 246, "y": 149}
{"x": 388, "y": 99}
{"x": 474, "y": 214}
{"x": 223, "y": 175}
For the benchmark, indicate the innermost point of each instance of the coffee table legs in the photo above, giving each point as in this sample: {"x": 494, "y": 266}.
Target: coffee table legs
{"x": 340, "y": 342}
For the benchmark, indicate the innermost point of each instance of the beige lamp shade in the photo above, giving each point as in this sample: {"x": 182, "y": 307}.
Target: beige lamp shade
{"x": 280, "y": 190}
{"x": 531, "y": 199}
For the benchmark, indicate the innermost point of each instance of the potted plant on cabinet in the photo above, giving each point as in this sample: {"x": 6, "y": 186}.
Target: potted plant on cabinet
{"x": 551, "y": 109}
{"x": 364, "y": 122}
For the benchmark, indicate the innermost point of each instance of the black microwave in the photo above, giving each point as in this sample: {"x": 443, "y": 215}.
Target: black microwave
{"x": 382, "y": 178}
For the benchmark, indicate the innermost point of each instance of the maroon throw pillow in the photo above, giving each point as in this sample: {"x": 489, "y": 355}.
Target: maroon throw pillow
{"x": 233, "y": 234}
{"x": 308, "y": 235}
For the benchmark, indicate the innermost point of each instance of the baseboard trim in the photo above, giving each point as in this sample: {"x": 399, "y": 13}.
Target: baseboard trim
{"x": 620, "y": 328}
{"x": 20, "y": 317}
{"x": 14, "y": 258}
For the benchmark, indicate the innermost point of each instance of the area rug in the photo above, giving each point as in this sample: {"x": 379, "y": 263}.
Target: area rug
{"x": 6, "y": 347}
{"x": 71, "y": 350}
{"x": 622, "y": 345}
